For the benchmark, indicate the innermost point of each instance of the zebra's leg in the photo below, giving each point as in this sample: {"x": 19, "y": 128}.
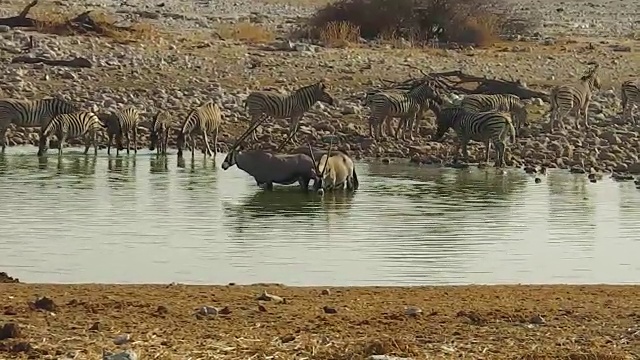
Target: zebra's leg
{"x": 215, "y": 142}
{"x": 3, "y": 138}
{"x": 370, "y": 121}
{"x": 193, "y": 147}
{"x": 206, "y": 145}
{"x": 95, "y": 143}
{"x": 135, "y": 140}
{"x": 87, "y": 143}
{"x": 500, "y": 152}
{"x": 585, "y": 110}
{"x": 389, "y": 125}
{"x": 465, "y": 151}
{"x": 269, "y": 186}
{"x": 61, "y": 144}
{"x": 487, "y": 145}
{"x": 128, "y": 136}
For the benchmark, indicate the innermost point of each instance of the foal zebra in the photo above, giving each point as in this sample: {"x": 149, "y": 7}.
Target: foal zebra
{"x": 122, "y": 123}
{"x": 498, "y": 102}
{"x": 488, "y": 127}
{"x": 630, "y": 98}
{"x": 30, "y": 113}
{"x": 201, "y": 120}
{"x": 159, "y": 132}
{"x": 262, "y": 105}
{"x": 67, "y": 126}
{"x": 574, "y": 98}
{"x": 388, "y": 105}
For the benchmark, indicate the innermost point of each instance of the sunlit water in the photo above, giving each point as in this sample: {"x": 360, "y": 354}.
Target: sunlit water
{"x": 133, "y": 220}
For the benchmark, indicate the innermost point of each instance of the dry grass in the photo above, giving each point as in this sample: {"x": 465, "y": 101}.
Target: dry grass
{"x": 53, "y": 21}
{"x": 339, "y": 34}
{"x": 246, "y": 32}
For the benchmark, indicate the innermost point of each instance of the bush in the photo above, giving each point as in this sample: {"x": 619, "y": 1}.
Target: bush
{"x": 476, "y": 22}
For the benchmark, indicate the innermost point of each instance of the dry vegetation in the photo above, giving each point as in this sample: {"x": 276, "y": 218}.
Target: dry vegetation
{"x": 245, "y": 32}
{"x": 489, "y": 322}
{"x": 418, "y": 21}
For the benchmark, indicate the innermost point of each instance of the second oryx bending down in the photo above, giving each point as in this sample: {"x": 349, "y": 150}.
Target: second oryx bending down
{"x": 268, "y": 169}
{"x": 334, "y": 171}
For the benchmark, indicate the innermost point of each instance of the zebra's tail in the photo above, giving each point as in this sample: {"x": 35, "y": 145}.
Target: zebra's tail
{"x": 624, "y": 98}
{"x": 356, "y": 183}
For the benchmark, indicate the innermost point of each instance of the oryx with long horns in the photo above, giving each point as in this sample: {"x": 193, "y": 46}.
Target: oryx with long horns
{"x": 334, "y": 171}
{"x": 268, "y": 168}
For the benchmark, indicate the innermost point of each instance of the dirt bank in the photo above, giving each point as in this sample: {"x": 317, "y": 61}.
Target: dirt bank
{"x": 492, "y": 322}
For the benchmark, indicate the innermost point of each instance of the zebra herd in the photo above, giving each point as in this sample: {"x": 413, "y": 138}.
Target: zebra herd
{"x": 492, "y": 119}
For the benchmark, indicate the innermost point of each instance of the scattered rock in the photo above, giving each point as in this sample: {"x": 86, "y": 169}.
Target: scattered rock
{"x": 125, "y": 355}
{"x": 10, "y": 331}
{"x": 269, "y": 297}
{"x": 122, "y": 339}
{"x": 44, "y": 303}
{"x": 287, "y": 338}
{"x": 325, "y": 292}
{"x": 329, "y": 310}
{"x": 96, "y": 326}
{"x": 6, "y": 279}
{"x": 413, "y": 311}
{"x": 537, "y": 320}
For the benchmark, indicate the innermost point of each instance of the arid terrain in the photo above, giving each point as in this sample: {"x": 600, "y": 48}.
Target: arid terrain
{"x": 184, "y": 54}
{"x": 170, "y": 322}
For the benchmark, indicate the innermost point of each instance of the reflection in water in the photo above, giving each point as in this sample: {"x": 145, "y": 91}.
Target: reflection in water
{"x": 405, "y": 225}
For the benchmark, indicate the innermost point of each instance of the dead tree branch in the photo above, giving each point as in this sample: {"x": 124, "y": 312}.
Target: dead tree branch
{"x": 78, "y": 62}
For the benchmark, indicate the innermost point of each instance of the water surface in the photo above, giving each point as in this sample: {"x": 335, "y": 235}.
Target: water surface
{"x": 142, "y": 219}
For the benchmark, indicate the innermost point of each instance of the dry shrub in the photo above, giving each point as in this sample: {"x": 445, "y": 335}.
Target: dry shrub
{"x": 339, "y": 34}
{"x": 246, "y": 32}
{"x": 478, "y": 22}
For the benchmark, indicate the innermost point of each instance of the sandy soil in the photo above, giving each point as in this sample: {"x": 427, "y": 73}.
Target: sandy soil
{"x": 477, "y": 322}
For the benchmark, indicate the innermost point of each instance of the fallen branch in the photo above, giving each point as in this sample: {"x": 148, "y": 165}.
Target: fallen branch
{"x": 78, "y": 62}
{"x": 458, "y": 82}
{"x": 21, "y": 20}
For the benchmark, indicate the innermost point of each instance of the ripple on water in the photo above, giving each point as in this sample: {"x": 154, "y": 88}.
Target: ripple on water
{"x": 73, "y": 219}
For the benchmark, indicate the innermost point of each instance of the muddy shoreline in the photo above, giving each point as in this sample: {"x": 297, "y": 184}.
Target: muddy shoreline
{"x": 169, "y": 322}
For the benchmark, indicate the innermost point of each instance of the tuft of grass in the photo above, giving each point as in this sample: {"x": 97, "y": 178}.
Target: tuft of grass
{"x": 339, "y": 34}
{"x": 246, "y": 32}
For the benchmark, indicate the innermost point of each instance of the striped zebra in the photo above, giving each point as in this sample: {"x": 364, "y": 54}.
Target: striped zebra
{"x": 122, "y": 123}
{"x": 630, "y": 98}
{"x": 262, "y": 105}
{"x": 204, "y": 120}
{"x": 498, "y": 102}
{"x": 489, "y": 127}
{"x": 67, "y": 126}
{"x": 388, "y": 105}
{"x": 30, "y": 113}
{"x": 159, "y": 132}
{"x": 575, "y": 98}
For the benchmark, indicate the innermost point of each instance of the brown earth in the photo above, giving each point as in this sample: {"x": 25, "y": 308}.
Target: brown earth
{"x": 475, "y": 322}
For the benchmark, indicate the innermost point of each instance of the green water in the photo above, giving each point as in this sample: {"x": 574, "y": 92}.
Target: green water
{"x": 86, "y": 219}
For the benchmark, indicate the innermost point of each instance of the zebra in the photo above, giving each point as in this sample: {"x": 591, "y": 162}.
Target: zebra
{"x": 630, "y": 98}
{"x": 489, "y": 126}
{"x": 388, "y": 105}
{"x": 498, "y": 102}
{"x": 574, "y": 98}
{"x": 121, "y": 123}
{"x": 66, "y": 126}
{"x": 262, "y": 105}
{"x": 205, "y": 119}
{"x": 159, "y": 132}
{"x": 30, "y": 113}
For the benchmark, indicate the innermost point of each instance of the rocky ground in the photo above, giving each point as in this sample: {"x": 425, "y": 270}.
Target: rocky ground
{"x": 240, "y": 322}
{"x": 195, "y": 51}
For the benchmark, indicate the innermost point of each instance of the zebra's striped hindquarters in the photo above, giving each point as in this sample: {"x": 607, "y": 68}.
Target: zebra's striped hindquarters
{"x": 498, "y": 102}
{"x": 204, "y": 120}
{"x": 630, "y": 94}
{"x": 159, "y": 132}
{"x": 121, "y": 124}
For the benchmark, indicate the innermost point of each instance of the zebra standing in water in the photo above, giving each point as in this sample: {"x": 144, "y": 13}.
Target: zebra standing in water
{"x": 122, "y": 123}
{"x": 30, "y": 113}
{"x": 574, "y": 98}
{"x": 489, "y": 126}
{"x": 67, "y": 126}
{"x": 203, "y": 120}
{"x": 630, "y": 98}
{"x": 262, "y": 105}
{"x": 159, "y": 132}
{"x": 498, "y": 102}
{"x": 388, "y": 105}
